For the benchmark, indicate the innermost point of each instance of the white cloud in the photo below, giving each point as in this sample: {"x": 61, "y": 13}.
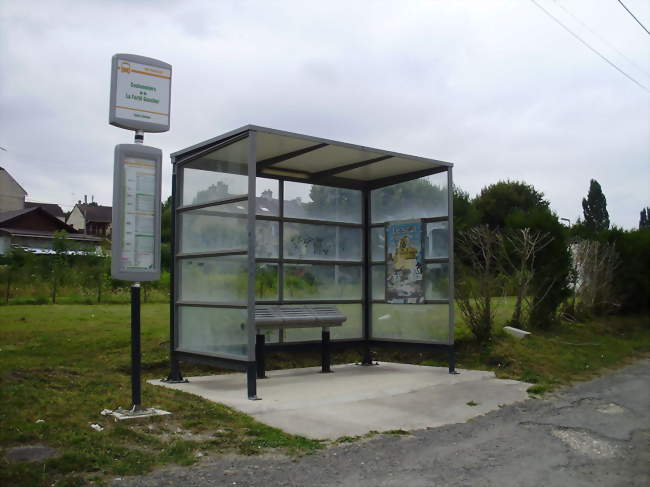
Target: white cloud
{"x": 495, "y": 87}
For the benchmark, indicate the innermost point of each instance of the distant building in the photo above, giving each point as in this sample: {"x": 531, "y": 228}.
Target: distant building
{"x": 33, "y": 229}
{"x": 12, "y": 194}
{"x": 91, "y": 219}
{"x": 52, "y": 208}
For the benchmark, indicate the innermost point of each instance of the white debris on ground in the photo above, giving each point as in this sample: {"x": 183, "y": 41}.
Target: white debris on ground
{"x": 97, "y": 427}
{"x": 586, "y": 444}
{"x": 610, "y": 408}
{"x": 516, "y": 332}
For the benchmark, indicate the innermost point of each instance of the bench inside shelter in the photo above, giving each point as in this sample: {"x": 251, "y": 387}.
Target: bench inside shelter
{"x": 296, "y": 316}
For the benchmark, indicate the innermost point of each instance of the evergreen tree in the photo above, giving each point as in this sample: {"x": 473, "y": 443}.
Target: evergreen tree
{"x": 594, "y": 208}
{"x": 644, "y": 221}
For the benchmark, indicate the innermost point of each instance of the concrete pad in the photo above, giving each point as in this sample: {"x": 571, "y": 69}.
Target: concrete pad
{"x": 355, "y": 400}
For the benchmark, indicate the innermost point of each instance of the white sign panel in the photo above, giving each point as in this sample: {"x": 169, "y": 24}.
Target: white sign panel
{"x": 136, "y": 213}
{"x": 139, "y": 213}
{"x": 140, "y": 93}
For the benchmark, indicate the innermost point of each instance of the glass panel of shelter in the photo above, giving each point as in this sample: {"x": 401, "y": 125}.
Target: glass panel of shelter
{"x": 211, "y": 266}
{"x": 316, "y": 224}
{"x": 425, "y": 199}
{"x": 320, "y": 257}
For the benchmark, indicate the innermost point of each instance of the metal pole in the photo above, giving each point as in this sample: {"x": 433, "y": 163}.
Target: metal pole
{"x": 367, "y": 277}
{"x": 450, "y": 255}
{"x": 326, "y": 358}
{"x": 175, "y": 375}
{"x": 135, "y": 346}
{"x": 251, "y": 378}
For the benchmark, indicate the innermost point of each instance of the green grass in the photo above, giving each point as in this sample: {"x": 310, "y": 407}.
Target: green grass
{"x": 559, "y": 356}
{"x": 65, "y": 363}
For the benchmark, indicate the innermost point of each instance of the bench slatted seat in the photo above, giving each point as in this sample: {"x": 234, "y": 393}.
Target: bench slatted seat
{"x": 296, "y": 316}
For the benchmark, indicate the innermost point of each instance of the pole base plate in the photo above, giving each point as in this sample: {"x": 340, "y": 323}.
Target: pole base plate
{"x": 134, "y": 413}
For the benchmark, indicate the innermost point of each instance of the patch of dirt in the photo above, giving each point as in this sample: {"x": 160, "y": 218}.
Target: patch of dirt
{"x": 30, "y": 453}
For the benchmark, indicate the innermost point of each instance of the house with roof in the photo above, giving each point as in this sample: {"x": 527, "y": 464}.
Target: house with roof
{"x": 12, "y": 194}
{"x": 91, "y": 219}
{"x": 52, "y": 208}
{"x": 33, "y": 229}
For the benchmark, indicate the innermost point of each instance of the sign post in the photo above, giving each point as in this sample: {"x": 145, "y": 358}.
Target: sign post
{"x": 139, "y": 101}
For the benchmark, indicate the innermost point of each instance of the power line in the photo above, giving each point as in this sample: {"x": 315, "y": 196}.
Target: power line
{"x": 612, "y": 46}
{"x": 634, "y": 17}
{"x": 590, "y": 48}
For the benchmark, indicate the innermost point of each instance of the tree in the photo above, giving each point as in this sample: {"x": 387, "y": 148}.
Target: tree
{"x": 465, "y": 213}
{"x": 632, "y": 281}
{"x": 478, "y": 278}
{"x": 525, "y": 244}
{"x": 596, "y": 263}
{"x": 55, "y": 265}
{"x": 511, "y": 205}
{"x": 16, "y": 262}
{"x": 644, "y": 221}
{"x": 499, "y": 201}
{"x": 594, "y": 208}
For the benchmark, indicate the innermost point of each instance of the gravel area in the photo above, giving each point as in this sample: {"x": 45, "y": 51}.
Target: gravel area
{"x": 596, "y": 433}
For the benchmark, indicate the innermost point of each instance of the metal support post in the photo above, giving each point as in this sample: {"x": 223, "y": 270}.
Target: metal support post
{"x": 366, "y": 359}
{"x": 259, "y": 356}
{"x": 135, "y": 347}
{"x": 325, "y": 352}
{"x": 175, "y": 376}
{"x": 251, "y": 379}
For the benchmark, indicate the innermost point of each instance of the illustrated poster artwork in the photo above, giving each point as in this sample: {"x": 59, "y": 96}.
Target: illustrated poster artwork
{"x": 404, "y": 262}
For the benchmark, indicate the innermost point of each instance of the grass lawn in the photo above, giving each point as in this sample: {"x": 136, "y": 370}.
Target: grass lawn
{"x": 63, "y": 364}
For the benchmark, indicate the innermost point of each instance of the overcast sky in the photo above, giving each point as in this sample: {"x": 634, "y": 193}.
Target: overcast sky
{"x": 496, "y": 87}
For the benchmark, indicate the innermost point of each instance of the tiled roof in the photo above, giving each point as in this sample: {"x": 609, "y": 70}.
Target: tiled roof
{"x": 10, "y": 215}
{"x": 52, "y": 208}
{"x": 96, "y": 213}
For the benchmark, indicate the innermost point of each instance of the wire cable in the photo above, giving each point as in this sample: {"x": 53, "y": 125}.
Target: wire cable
{"x": 643, "y": 87}
{"x": 605, "y": 41}
{"x": 634, "y": 17}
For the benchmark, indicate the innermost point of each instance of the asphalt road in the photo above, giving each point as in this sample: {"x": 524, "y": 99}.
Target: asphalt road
{"x": 596, "y": 433}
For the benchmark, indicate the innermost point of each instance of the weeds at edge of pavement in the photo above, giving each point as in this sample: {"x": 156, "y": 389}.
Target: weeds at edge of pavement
{"x": 563, "y": 355}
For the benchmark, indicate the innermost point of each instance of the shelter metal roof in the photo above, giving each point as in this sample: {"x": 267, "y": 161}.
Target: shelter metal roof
{"x": 292, "y": 156}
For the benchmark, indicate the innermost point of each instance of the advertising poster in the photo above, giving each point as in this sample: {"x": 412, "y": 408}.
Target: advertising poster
{"x": 404, "y": 263}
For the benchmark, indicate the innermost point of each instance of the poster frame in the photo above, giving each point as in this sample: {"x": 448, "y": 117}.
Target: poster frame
{"x": 420, "y": 256}
{"x": 123, "y": 152}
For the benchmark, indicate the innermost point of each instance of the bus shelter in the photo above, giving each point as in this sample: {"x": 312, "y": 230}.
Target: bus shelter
{"x": 263, "y": 217}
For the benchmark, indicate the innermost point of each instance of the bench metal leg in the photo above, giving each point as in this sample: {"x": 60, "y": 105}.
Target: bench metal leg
{"x": 452, "y": 360}
{"x": 367, "y": 355}
{"x": 325, "y": 352}
{"x": 259, "y": 356}
{"x": 251, "y": 381}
